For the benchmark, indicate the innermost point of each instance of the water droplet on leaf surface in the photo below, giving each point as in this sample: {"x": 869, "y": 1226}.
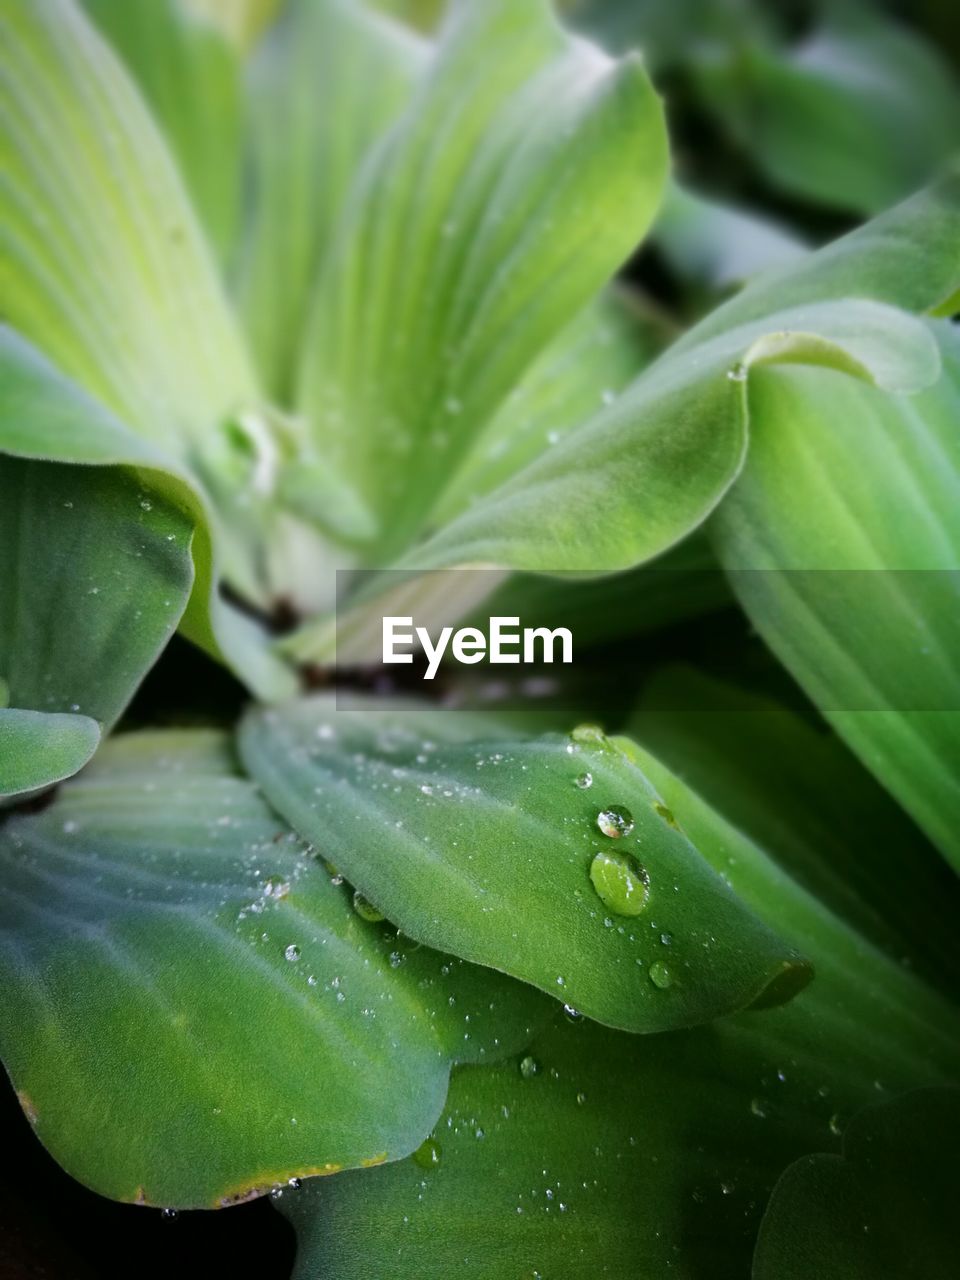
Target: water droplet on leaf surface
{"x": 615, "y": 821}
{"x": 366, "y": 910}
{"x": 621, "y": 883}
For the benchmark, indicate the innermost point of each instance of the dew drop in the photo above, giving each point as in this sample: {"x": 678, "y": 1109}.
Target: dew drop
{"x": 758, "y": 1108}
{"x": 366, "y": 910}
{"x": 529, "y": 1067}
{"x": 572, "y": 1014}
{"x": 835, "y": 1126}
{"x": 292, "y": 952}
{"x": 616, "y": 821}
{"x": 621, "y": 883}
{"x": 169, "y": 1215}
{"x": 660, "y": 975}
{"x": 738, "y": 373}
{"x": 584, "y": 780}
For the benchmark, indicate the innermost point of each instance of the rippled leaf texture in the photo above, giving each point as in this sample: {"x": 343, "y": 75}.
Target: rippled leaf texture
{"x": 105, "y": 266}
{"x": 842, "y": 541}
{"x": 792, "y": 786}
{"x": 885, "y": 1207}
{"x": 95, "y": 572}
{"x": 323, "y": 87}
{"x": 45, "y": 415}
{"x": 481, "y": 843}
{"x": 643, "y": 1155}
{"x": 856, "y": 117}
{"x": 193, "y": 1010}
{"x": 37, "y": 749}
{"x": 190, "y": 76}
{"x": 524, "y": 172}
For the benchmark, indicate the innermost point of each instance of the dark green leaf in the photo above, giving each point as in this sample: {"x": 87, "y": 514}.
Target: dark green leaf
{"x": 194, "y": 1012}
{"x": 37, "y": 749}
{"x": 95, "y": 572}
{"x": 886, "y": 1207}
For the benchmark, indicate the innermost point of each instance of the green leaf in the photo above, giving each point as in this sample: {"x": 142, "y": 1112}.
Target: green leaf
{"x": 629, "y": 1156}
{"x": 194, "y": 1012}
{"x": 45, "y": 415}
{"x": 643, "y": 1155}
{"x": 323, "y": 87}
{"x": 37, "y": 749}
{"x": 855, "y": 117}
{"x": 473, "y": 252}
{"x": 795, "y": 790}
{"x": 886, "y": 1206}
{"x": 861, "y": 608}
{"x": 95, "y": 572}
{"x": 482, "y": 842}
{"x": 189, "y": 74}
{"x": 648, "y": 469}
{"x": 105, "y": 267}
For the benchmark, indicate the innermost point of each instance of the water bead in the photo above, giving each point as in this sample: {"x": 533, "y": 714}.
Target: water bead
{"x": 615, "y": 821}
{"x": 529, "y": 1067}
{"x": 660, "y": 975}
{"x": 622, "y": 884}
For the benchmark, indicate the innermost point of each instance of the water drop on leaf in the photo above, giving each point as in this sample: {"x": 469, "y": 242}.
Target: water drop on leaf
{"x": 616, "y": 821}
{"x": 529, "y": 1067}
{"x": 621, "y": 883}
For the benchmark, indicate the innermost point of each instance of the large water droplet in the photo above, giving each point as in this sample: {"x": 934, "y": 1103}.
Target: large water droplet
{"x": 584, "y": 780}
{"x": 366, "y": 910}
{"x": 292, "y": 952}
{"x": 615, "y": 821}
{"x": 427, "y": 1155}
{"x": 621, "y": 883}
{"x": 529, "y": 1067}
{"x": 660, "y": 975}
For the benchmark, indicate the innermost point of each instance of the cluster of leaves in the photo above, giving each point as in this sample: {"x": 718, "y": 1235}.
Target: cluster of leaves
{"x": 293, "y": 289}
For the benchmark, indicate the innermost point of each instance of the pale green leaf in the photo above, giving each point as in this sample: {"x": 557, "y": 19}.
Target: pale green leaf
{"x": 525, "y": 170}
{"x": 480, "y": 841}
{"x": 647, "y": 470}
{"x": 104, "y": 264}
{"x": 193, "y": 1011}
{"x": 189, "y": 74}
{"x": 323, "y": 86}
